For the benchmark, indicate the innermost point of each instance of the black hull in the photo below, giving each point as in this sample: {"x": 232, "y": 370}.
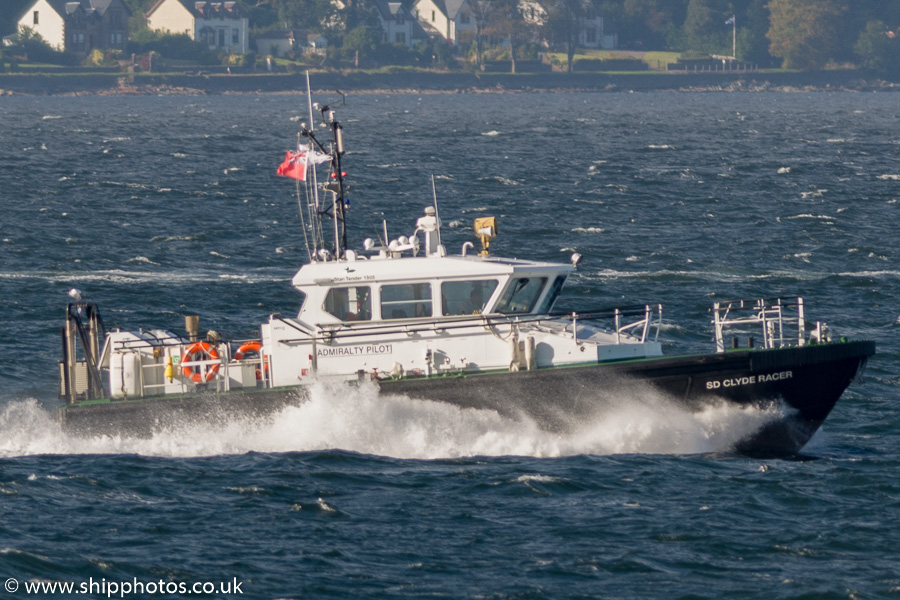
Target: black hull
{"x": 806, "y": 381}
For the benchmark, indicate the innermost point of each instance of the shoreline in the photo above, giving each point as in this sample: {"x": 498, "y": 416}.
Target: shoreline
{"x": 429, "y": 82}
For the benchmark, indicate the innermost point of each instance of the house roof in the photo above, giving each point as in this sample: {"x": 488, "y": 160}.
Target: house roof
{"x": 278, "y": 34}
{"x": 201, "y": 8}
{"x": 428, "y": 30}
{"x": 389, "y": 8}
{"x": 67, "y": 7}
{"x": 450, "y": 7}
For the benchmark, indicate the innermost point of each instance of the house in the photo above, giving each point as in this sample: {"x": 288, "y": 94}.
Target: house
{"x": 78, "y": 26}
{"x": 592, "y": 33}
{"x": 446, "y": 18}
{"x": 399, "y": 26}
{"x": 590, "y": 25}
{"x": 222, "y": 26}
{"x": 316, "y": 43}
{"x": 277, "y": 42}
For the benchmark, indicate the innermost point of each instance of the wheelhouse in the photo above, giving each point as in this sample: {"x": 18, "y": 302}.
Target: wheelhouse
{"x": 408, "y": 288}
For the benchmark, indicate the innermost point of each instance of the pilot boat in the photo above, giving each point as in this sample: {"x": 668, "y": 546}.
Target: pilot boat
{"x": 471, "y": 329}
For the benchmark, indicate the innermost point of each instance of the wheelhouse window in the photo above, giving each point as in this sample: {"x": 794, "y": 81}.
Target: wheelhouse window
{"x": 466, "y": 297}
{"x": 552, "y": 295}
{"x": 521, "y": 295}
{"x": 349, "y": 303}
{"x": 405, "y": 301}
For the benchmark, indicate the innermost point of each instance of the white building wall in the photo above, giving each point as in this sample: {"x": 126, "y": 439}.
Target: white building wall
{"x": 428, "y": 13}
{"x": 600, "y": 39}
{"x": 460, "y": 27}
{"x": 392, "y": 28}
{"x": 173, "y": 17}
{"x": 272, "y": 47}
{"x": 221, "y": 24}
{"x": 50, "y": 24}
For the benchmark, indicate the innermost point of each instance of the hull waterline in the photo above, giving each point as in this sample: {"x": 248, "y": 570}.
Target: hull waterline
{"x": 805, "y": 383}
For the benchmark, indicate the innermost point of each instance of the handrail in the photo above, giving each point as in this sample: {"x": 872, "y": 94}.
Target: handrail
{"x": 775, "y": 316}
{"x": 160, "y": 341}
{"x": 331, "y": 331}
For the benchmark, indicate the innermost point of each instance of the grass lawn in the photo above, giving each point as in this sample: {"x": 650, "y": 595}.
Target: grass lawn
{"x": 655, "y": 60}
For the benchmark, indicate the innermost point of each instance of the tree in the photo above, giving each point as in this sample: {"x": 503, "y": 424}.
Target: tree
{"x": 481, "y": 11}
{"x": 752, "y": 43}
{"x": 507, "y": 21}
{"x": 705, "y": 28}
{"x": 805, "y": 34}
{"x": 564, "y": 22}
{"x": 699, "y": 20}
{"x": 11, "y": 10}
{"x": 645, "y": 24}
{"x": 34, "y": 48}
{"x": 878, "y": 48}
{"x": 361, "y": 44}
{"x": 172, "y": 46}
{"x": 302, "y": 14}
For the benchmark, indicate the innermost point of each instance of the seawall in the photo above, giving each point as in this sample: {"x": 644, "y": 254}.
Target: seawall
{"x": 103, "y": 84}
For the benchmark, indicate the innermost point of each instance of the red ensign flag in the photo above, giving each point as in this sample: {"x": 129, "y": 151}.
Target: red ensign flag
{"x": 294, "y": 166}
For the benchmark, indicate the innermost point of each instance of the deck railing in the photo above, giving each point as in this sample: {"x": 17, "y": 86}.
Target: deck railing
{"x": 779, "y": 322}
{"x": 618, "y": 318}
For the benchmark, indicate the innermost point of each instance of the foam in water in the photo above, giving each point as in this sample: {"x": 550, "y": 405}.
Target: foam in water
{"x": 365, "y": 421}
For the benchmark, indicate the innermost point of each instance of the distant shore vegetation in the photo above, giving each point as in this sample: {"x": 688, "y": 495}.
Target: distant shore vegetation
{"x": 651, "y": 35}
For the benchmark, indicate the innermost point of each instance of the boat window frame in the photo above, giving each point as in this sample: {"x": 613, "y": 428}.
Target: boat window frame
{"x": 468, "y": 298}
{"x": 416, "y": 302}
{"x": 553, "y": 292}
{"x": 511, "y": 291}
{"x": 364, "y": 314}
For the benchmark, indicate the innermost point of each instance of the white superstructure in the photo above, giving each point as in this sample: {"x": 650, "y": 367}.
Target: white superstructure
{"x": 393, "y": 315}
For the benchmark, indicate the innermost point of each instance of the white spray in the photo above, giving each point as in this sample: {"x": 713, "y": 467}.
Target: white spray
{"x": 363, "y": 420}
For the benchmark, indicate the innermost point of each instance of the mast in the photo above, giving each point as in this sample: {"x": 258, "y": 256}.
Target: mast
{"x": 341, "y": 215}
{"x": 338, "y": 210}
{"x": 315, "y": 183}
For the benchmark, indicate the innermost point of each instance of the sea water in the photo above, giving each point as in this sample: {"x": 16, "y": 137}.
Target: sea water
{"x": 157, "y": 207}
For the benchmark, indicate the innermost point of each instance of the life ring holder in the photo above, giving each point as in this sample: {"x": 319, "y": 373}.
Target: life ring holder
{"x": 196, "y": 352}
{"x": 253, "y": 346}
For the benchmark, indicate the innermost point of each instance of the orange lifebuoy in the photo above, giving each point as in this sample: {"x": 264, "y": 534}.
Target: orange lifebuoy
{"x": 253, "y": 346}
{"x": 200, "y": 351}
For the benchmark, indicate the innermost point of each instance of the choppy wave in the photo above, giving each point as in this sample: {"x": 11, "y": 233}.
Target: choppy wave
{"x": 365, "y": 421}
{"x": 138, "y": 277}
{"x": 177, "y": 238}
{"x": 141, "y": 259}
